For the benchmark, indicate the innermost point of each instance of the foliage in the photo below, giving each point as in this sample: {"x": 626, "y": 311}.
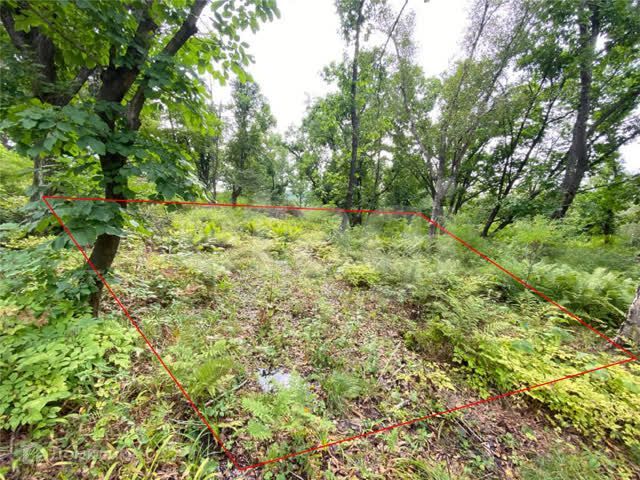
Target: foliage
{"x": 508, "y": 356}
{"x": 43, "y": 281}
{"x": 44, "y": 360}
{"x": 359, "y": 275}
{"x": 252, "y": 119}
{"x": 285, "y": 231}
{"x": 340, "y": 387}
{"x": 601, "y": 296}
{"x": 114, "y": 98}
{"x": 294, "y": 404}
{"x": 14, "y": 170}
{"x": 469, "y": 330}
{"x": 214, "y": 373}
{"x": 45, "y": 364}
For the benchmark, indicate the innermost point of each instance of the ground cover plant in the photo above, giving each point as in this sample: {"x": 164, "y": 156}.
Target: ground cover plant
{"x": 288, "y": 333}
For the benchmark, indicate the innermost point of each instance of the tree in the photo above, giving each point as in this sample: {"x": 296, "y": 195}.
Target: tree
{"x": 352, "y": 17}
{"x": 202, "y": 145}
{"x": 252, "y": 120}
{"x": 517, "y": 159}
{"x": 453, "y": 120}
{"x": 277, "y": 169}
{"x": 583, "y": 89}
{"x": 95, "y": 66}
{"x": 591, "y": 47}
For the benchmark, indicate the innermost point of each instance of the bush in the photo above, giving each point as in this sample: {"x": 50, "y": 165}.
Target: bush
{"x": 359, "y": 275}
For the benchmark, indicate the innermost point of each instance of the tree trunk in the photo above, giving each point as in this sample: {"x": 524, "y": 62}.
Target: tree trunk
{"x": 39, "y": 182}
{"x": 235, "y": 193}
{"x": 578, "y": 155}
{"x": 439, "y": 194}
{"x": 354, "y": 170}
{"x": 106, "y": 246}
{"x": 490, "y": 220}
{"x": 437, "y": 210}
{"x": 630, "y": 329}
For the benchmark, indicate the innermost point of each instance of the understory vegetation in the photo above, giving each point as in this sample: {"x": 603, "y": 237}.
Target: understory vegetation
{"x": 288, "y": 333}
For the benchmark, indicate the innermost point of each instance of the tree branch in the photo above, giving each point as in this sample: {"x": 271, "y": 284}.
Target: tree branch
{"x": 116, "y": 81}
{"x": 184, "y": 33}
{"x": 19, "y": 39}
{"x": 75, "y": 85}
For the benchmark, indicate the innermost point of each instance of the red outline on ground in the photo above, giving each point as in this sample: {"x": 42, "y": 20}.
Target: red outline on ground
{"x": 231, "y": 457}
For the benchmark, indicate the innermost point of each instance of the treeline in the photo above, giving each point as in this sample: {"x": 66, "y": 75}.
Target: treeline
{"x": 537, "y": 109}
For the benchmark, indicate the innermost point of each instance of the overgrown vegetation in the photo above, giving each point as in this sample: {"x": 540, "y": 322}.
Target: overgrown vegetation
{"x": 354, "y": 330}
{"x": 290, "y": 328}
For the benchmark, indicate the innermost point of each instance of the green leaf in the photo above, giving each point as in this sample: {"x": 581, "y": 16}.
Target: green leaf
{"x": 49, "y": 142}
{"x": 96, "y": 145}
{"x": 523, "y": 346}
{"x": 258, "y": 430}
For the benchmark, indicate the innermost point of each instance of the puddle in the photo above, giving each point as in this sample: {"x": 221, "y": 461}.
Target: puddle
{"x": 272, "y": 379}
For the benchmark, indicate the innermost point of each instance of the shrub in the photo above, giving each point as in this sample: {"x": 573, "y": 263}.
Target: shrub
{"x": 359, "y": 275}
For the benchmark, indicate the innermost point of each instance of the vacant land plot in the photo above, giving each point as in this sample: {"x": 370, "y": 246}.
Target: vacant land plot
{"x": 288, "y": 333}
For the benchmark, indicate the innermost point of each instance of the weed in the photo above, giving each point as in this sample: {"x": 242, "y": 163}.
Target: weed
{"x": 340, "y": 387}
{"x": 582, "y": 465}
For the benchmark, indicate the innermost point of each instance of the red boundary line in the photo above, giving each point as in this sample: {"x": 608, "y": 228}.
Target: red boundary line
{"x": 631, "y": 356}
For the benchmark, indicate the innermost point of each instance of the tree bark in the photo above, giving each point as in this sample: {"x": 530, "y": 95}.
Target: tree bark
{"x": 38, "y": 178}
{"x": 578, "y": 155}
{"x": 440, "y": 192}
{"x": 354, "y": 170}
{"x": 235, "y": 193}
{"x": 630, "y": 329}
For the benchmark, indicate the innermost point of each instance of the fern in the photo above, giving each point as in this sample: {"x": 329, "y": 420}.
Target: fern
{"x": 259, "y": 430}
{"x": 288, "y": 410}
{"x": 260, "y": 408}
